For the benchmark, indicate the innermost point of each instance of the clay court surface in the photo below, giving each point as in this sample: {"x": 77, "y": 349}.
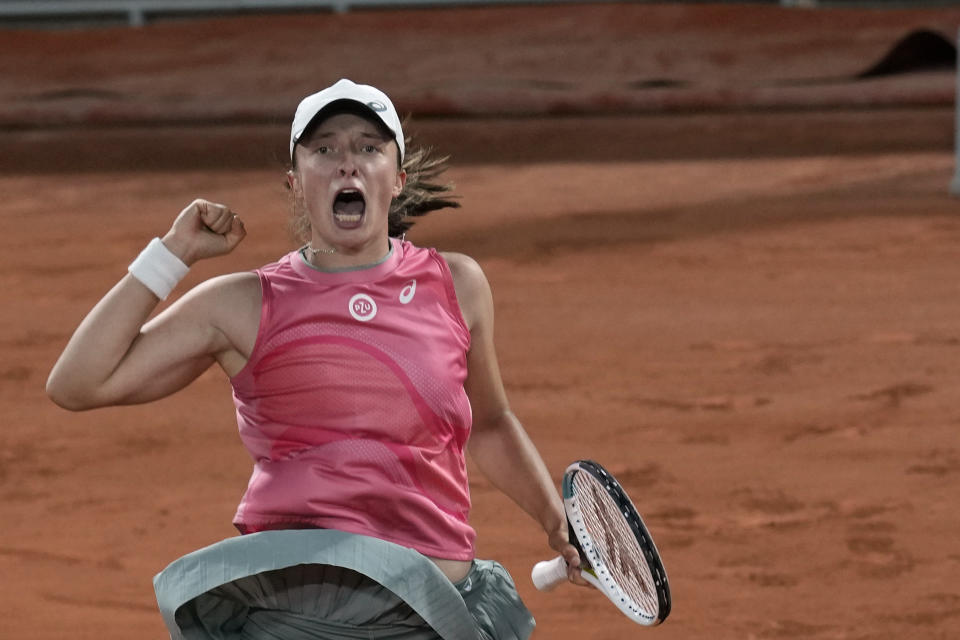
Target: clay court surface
{"x": 723, "y": 267}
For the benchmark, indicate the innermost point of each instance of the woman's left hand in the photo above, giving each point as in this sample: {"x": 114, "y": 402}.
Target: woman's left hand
{"x": 560, "y": 542}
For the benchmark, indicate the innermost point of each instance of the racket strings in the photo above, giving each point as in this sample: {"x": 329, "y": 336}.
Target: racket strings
{"x": 616, "y": 544}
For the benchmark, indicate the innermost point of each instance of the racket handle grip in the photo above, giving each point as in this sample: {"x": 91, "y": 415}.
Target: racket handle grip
{"x": 548, "y": 574}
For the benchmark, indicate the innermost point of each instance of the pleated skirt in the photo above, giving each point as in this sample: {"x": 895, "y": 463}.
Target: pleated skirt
{"x": 329, "y": 585}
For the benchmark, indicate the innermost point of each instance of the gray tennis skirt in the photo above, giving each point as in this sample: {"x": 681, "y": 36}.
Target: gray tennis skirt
{"x": 320, "y": 584}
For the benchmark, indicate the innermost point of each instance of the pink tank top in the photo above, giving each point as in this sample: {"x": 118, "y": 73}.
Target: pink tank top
{"x": 352, "y": 403}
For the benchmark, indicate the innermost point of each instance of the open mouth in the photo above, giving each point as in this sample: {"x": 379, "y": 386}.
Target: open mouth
{"x": 348, "y": 207}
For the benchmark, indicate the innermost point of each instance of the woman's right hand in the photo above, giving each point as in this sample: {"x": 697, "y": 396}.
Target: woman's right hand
{"x": 204, "y": 229}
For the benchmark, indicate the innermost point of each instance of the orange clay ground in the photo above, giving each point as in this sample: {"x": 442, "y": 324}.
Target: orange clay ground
{"x": 722, "y": 267}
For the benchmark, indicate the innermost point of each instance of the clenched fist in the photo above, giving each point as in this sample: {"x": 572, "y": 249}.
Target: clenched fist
{"x": 204, "y": 229}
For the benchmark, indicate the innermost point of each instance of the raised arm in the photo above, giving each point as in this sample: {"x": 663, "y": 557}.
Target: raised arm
{"x": 116, "y": 357}
{"x": 498, "y": 442}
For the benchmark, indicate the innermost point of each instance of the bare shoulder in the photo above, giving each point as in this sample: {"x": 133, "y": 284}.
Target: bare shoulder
{"x": 241, "y": 284}
{"x": 230, "y": 292}
{"x": 233, "y": 301}
{"x": 465, "y": 270}
{"x": 470, "y": 283}
{"x": 230, "y": 304}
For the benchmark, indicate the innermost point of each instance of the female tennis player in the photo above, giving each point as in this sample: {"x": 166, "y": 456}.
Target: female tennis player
{"x": 361, "y": 367}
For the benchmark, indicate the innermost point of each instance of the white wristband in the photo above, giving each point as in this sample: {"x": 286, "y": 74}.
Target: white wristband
{"x": 158, "y": 269}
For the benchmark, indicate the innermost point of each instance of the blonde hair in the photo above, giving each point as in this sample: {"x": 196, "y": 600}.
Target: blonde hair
{"x": 421, "y": 194}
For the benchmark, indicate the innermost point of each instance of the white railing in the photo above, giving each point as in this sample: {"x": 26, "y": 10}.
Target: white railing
{"x": 137, "y": 12}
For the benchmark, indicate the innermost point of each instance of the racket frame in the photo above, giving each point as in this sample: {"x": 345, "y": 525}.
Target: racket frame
{"x": 594, "y": 569}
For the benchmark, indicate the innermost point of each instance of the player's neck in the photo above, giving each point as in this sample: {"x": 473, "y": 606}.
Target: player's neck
{"x": 333, "y": 259}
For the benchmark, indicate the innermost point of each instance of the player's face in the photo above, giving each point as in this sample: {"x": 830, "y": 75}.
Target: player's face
{"x": 345, "y": 178}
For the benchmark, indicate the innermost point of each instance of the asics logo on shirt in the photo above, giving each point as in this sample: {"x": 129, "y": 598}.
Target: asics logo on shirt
{"x": 362, "y": 307}
{"x": 407, "y": 293}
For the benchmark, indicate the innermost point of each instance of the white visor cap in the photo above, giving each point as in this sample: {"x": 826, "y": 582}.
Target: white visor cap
{"x": 371, "y": 98}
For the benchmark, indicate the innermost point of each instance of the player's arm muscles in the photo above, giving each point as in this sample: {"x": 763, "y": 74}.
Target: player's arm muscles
{"x": 117, "y": 357}
{"x": 499, "y": 445}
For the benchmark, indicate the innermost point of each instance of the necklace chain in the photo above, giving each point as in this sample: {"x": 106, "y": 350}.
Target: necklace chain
{"x": 313, "y": 252}
{"x": 307, "y": 249}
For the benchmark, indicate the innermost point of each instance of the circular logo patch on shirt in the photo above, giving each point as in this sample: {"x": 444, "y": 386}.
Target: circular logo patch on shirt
{"x": 362, "y": 307}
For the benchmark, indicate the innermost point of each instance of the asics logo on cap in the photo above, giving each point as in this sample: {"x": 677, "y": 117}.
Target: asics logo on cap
{"x": 377, "y": 106}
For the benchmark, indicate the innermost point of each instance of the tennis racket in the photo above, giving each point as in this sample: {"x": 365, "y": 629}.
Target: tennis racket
{"x": 617, "y": 553}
